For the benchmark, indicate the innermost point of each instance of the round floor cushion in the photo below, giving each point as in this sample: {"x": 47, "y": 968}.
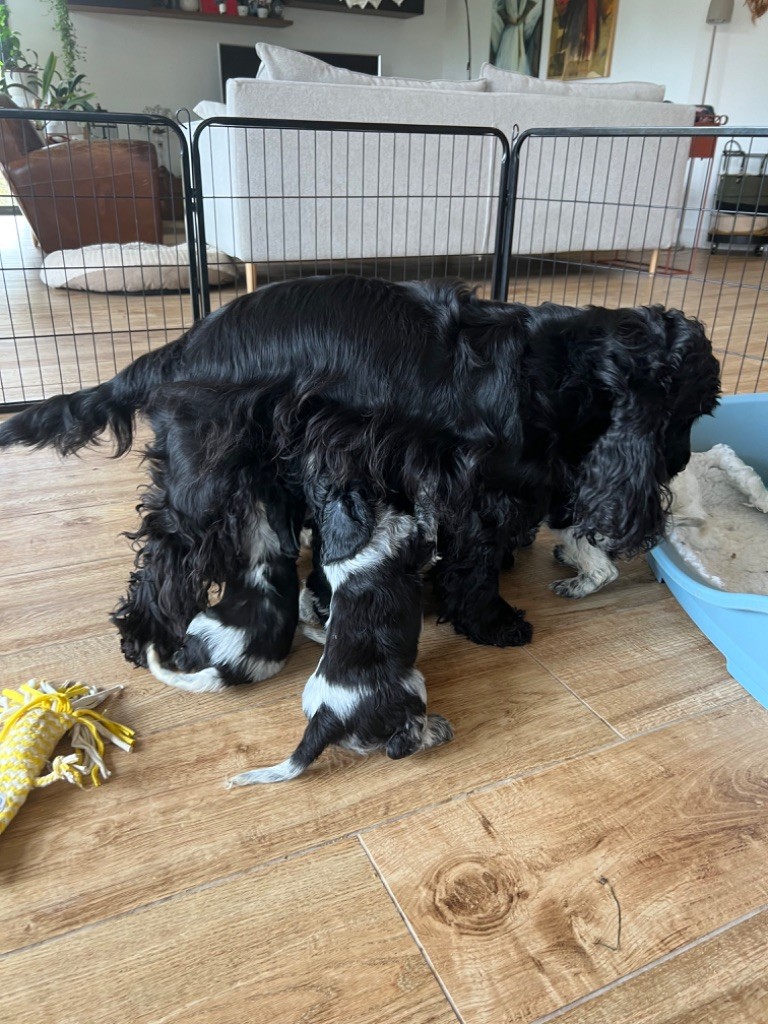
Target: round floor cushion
{"x": 133, "y": 267}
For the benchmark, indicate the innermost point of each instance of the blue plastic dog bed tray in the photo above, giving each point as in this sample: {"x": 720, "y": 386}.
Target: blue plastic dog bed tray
{"x": 737, "y": 624}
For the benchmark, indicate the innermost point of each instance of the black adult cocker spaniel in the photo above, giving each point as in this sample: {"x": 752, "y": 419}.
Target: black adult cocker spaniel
{"x": 418, "y": 401}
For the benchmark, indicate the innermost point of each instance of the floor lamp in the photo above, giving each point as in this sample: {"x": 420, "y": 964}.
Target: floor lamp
{"x": 469, "y": 40}
{"x": 720, "y": 13}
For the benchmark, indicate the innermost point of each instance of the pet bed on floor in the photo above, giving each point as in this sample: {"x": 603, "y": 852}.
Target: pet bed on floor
{"x": 725, "y": 536}
{"x": 736, "y": 623}
{"x": 132, "y": 267}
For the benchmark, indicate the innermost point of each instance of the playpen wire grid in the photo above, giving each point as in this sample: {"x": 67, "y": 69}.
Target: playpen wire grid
{"x": 575, "y": 216}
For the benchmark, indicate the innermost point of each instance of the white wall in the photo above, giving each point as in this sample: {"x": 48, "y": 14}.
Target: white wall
{"x": 133, "y": 62}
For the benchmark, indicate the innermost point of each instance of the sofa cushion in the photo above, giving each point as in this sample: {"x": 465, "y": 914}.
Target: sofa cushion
{"x": 279, "y": 64}
{"x": 510, "y": 81}
{"x": 210, "y": 108}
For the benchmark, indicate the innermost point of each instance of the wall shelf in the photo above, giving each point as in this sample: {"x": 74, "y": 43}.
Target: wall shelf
{"x": 388, "y": 9}
{"x": 164, "y": 12}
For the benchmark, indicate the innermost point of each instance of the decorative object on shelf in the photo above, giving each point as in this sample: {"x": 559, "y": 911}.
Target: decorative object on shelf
{"x": 219, "y": 7}
{"x": 581, "y": 42}
{"x": 277, "y": 9}
{"x": 242, "y": 10}
{"x": 262, "y": 9}
{"x": 516, "y": 29}
{"x": 380, "y": 8}
{"x": 190, "y": 6}
{"x": 364, "y": 3}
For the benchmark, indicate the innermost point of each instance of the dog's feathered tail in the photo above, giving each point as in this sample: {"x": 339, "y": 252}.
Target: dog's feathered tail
{"x": 323, "y": 728}
{"x": 70, "y": 422}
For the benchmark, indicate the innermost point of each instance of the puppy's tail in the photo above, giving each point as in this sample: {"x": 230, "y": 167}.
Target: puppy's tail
{"x": 70, "y": 422}
{"x": 323, "y": 728}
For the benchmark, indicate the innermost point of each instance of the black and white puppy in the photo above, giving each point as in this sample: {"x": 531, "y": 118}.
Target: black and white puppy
{"x": 366, "y": 693}
{"x": 247, "y": 636}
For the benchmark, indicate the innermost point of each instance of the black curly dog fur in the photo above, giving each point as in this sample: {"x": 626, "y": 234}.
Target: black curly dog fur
{"x": 500, "y": 415}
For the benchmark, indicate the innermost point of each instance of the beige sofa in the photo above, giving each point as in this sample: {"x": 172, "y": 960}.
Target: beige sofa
{"x": 315, "y": 195}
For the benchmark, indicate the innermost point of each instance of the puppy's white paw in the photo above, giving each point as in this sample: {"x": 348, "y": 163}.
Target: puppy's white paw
{"x": 574, "y": 587}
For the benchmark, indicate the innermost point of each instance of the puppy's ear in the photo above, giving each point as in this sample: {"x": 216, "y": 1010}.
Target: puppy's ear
{"x": 347, "y": 521}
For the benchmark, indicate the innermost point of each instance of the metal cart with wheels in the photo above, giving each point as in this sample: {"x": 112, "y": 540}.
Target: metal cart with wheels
{"x": 740, "y": 214}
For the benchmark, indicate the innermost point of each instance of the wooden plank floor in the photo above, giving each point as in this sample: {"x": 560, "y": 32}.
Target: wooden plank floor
{"x": 53, "y": 340}
{"x": 591, "y": 848}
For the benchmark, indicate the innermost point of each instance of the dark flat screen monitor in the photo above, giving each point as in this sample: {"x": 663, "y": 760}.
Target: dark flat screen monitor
{"x": 242, "y": 62}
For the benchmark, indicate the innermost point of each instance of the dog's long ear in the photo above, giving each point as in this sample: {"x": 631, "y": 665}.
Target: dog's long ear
{"x": 621, "y": 495}
{"x": 621, "y": 490}
{"x": 347, "y": 521}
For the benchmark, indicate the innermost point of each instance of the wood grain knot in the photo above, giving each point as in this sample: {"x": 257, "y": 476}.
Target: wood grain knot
{"x": 475, "y": 894}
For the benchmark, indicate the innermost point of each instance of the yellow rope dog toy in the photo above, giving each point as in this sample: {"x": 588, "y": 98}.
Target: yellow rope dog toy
{"x": 32, "y": 721}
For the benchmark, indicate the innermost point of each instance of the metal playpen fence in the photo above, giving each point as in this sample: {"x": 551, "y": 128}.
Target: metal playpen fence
{"x": 128, "y": 228}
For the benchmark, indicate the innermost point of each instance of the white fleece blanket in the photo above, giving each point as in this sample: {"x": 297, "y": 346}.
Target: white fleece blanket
{"x": 720, "y": 525}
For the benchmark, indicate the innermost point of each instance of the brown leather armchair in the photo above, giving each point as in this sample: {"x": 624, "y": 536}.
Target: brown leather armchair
{"x": 81, "y": 193}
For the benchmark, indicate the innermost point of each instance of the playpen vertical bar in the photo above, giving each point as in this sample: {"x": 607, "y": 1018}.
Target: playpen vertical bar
{"x": 189, "y": 221}
{"x": 199, "y": 217}
{"x": 509, "y": 169}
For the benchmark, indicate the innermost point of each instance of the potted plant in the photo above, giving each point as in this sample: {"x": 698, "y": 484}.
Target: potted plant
{"x": 71, "y": 52}
{"x": 63, "y": 89}
{"x": 57, "y": 92}
{"x": 18, "y": 70}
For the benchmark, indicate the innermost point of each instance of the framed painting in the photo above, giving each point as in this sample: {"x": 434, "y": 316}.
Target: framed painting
{"x": 581, "y": 41}
{"x": 516, "y": 27}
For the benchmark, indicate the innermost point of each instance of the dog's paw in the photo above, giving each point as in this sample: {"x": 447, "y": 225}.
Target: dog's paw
{"x": 438, "y": 730}
{"x": 574, "y": 587}
{"x": 498, "y": 625}
{"x": 134, "y": 652}
{"x": 580, "y": 586}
